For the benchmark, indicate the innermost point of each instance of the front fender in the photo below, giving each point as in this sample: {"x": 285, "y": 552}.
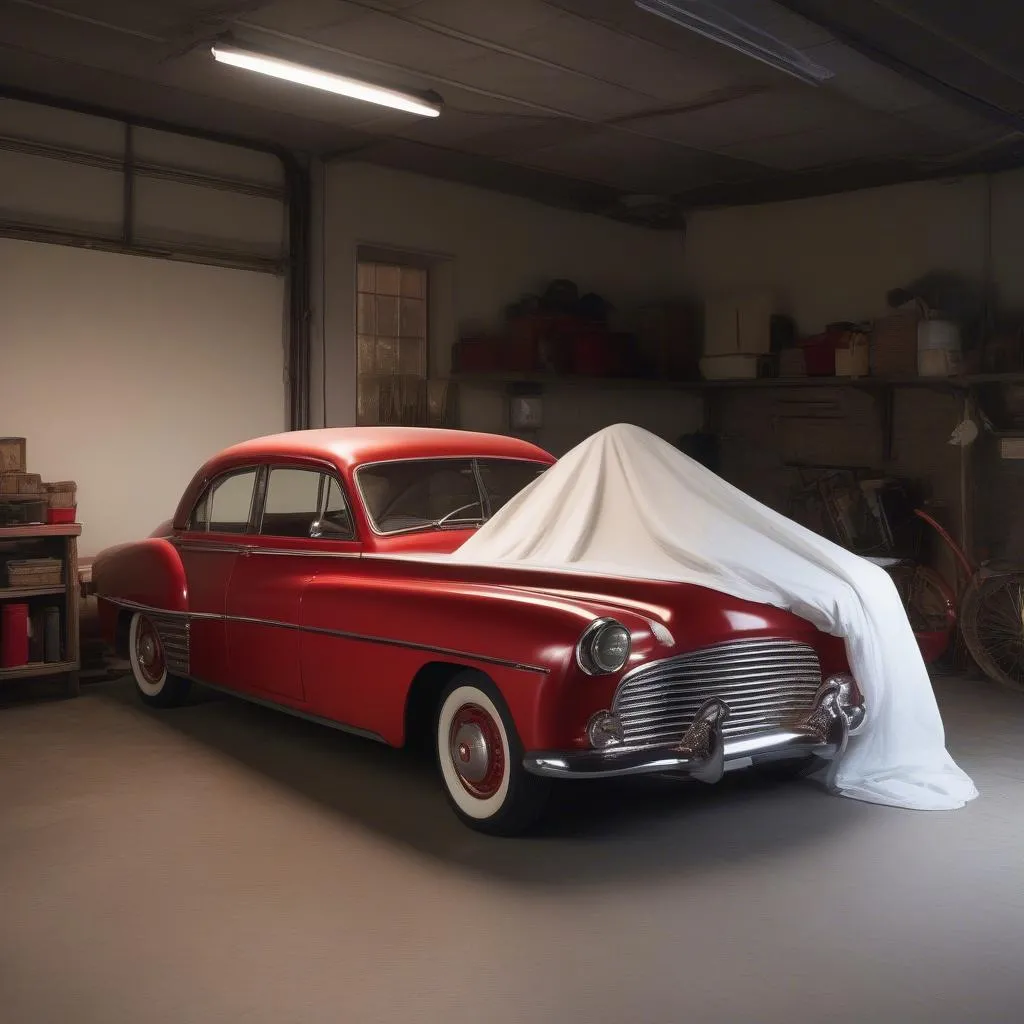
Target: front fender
{"x": 523, "y": 640}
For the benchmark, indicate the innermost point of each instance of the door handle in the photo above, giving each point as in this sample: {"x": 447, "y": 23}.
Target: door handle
{"x": 246, "y": 552}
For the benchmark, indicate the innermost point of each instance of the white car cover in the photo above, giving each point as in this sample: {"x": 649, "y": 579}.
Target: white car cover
{"x": 626, "y": 503}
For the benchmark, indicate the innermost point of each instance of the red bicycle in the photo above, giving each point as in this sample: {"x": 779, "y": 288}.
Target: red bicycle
{"x": 991, "y": 610}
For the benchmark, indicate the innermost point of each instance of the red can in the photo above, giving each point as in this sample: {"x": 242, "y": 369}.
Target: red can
{"x": 13, "y": 635}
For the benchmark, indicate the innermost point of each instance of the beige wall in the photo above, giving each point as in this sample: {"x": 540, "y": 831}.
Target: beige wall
{"x": 489, "y": 248}
{"x": 125, "y": 374}
{"x": 834, "y": 257}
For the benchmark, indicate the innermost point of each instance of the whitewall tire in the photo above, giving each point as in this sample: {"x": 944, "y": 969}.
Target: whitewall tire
{"x": 480, "y": 759}
{"x": 146, "y": 654}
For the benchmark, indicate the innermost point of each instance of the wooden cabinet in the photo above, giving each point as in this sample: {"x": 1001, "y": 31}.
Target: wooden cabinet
{"x": 50, "y": 542}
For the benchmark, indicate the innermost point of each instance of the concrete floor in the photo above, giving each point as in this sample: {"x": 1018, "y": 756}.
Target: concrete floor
{"x": 226, "y": 863}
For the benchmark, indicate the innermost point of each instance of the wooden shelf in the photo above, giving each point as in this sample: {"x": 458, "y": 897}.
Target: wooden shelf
{"x": 499, "y": 380}
{"x": 39, "y": 668}
{"x": 64, "y": 535}
{"x": 40, "y": 530}
{"x": 10, "y": 592}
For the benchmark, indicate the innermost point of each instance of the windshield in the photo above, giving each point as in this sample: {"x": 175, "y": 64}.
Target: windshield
{"x": 440, "y": 493}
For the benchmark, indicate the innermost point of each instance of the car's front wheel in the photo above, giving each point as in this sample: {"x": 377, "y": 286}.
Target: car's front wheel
{"x": 481, "y": 759}
{"x": 156, "y": 686}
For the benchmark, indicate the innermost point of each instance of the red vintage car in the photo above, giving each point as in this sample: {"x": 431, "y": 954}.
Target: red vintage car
{"x": 284, "y": 578}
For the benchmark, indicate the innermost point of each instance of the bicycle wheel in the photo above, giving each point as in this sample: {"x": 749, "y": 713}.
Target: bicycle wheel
{"x": 992, "y": 622}
{"x": 930, "y": 604}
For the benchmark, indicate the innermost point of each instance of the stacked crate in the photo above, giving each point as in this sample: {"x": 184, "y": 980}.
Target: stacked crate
{"x": 24, "y": 497}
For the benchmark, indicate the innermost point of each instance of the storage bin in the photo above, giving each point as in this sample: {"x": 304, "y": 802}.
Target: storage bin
{"x": 894, "y": 345}
{"x": 60, "y": 515}
{"x": 594, "y": 354}
{"x": 792, "y": 363}
{"x": 61, "y": 494}
{"x": 853, "y": 355}
{"x": 21, "y": 511}
{"x": 35, "y": 572}
{"x": 938, "y": 348}
{"x": 476, "y": 355}
{"x": 738, "y": 324}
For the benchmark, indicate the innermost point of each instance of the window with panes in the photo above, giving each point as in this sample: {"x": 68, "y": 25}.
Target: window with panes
{"x": 391, "y": 329}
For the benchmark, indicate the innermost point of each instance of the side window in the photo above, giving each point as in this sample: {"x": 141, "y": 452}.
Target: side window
{"x": 298, "y": 498}
{"x": 227, "y": 505}
{"x": 293, "y": 502}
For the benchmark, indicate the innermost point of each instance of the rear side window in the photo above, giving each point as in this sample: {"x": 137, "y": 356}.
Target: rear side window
{"x": 226, "y": 507}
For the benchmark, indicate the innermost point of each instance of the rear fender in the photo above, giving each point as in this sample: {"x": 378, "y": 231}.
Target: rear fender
{"x": 147, "y": 572}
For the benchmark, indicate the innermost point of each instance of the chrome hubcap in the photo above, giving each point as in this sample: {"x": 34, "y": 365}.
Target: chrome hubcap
{"x": 476, "y": 751}
{"x": 470, "y": 752}
{"x": 148, "y": 652}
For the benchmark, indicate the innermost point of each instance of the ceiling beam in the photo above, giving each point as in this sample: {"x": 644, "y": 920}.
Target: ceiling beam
{"x": 814, "y": 12}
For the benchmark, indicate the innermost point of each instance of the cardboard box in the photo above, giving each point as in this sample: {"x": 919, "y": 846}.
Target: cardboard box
{"x": 739, "y": 324}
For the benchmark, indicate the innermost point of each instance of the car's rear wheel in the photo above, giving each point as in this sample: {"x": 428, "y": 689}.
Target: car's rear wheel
{"x": 156, "y": 686}
{"x": 480, "y": 758}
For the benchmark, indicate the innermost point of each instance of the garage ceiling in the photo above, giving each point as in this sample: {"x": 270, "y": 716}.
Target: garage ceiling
{"x": 593, "y": 104}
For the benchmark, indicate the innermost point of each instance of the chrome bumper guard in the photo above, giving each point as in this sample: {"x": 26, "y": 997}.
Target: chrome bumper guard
{"x": 705, "y": 754}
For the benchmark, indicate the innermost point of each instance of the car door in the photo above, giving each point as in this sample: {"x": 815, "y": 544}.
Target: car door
{"x": 216, "y": 534}
{"x": 302, "y": 525}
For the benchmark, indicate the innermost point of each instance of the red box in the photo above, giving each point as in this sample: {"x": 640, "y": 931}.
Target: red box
{"x": 13, "y": 635}
{"x": 820, "y": 353}
{"x": 476, "y": 355}
{"x": 594, "y": 354}
{"x": 60, "y": 515}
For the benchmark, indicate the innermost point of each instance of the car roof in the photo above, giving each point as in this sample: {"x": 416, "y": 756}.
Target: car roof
{"x": 353, "y": 446}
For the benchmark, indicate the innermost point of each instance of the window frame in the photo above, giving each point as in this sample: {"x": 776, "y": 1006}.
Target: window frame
{"x": 208, "y": 491}
{"x": 474, "y": 460}
{"x": 400, "y": 260}
{"x": 327, "y": 472}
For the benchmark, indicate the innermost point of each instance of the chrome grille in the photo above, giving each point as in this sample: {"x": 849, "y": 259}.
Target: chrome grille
{"x": 174, "y": 637}
{"x": 766, "y": 683}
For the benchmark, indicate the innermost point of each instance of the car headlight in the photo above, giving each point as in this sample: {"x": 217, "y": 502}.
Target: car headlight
{"x": 603, "y": 648}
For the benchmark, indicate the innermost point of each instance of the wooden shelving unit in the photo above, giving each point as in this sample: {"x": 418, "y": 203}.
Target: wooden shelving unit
{"x": 67, "y": 592}
{"x": 506, "y": 380}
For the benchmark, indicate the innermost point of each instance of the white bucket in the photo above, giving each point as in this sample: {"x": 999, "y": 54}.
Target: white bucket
{"x": 938, "y": 348}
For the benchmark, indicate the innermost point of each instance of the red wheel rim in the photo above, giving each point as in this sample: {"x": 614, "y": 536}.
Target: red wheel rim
{"x": 148, "y": 652}
{"x": 476, "y": 750}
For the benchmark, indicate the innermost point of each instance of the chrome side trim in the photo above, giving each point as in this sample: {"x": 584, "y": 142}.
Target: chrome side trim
{"x": 323, "y": 631}
{"x": 199, "y": 545}
{"x": 254, "y": 551}
{"x": 352, "y": 730}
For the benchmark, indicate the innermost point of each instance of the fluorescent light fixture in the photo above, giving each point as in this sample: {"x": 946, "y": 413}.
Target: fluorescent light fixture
{"x": 714, "y": 22}
{"x": 300, "y": 74}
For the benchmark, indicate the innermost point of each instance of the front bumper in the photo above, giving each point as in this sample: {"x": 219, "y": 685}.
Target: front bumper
{"x": 705, "y": 754}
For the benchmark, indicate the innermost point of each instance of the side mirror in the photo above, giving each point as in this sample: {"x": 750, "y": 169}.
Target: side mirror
{"x": 318, "y": 528}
